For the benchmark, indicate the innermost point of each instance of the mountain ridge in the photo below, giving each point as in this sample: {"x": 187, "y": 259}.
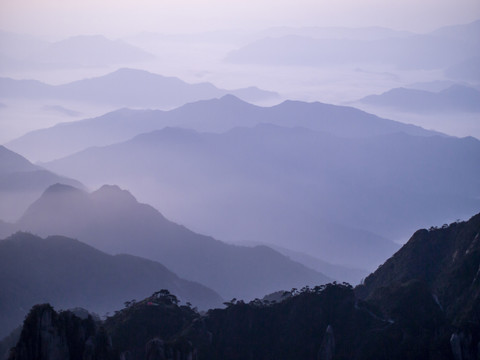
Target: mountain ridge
{"x": 21, "y": 182}
{"x": 111, "y": 220}
{"x": 314, "y": 179}
{"x": 397, "y": 321}
{"x": 454, "y": 98}
{"x": 217, "y": 115}
{"x": 69, "y": 273}
{"x": 127, "y": 87}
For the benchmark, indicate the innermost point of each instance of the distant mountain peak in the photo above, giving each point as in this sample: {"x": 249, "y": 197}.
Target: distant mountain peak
{"x": 131, "y": 72}
{"x": 231, "y": 98}
{"x": 113, "y": 193}
{"x": 59, "y": 188}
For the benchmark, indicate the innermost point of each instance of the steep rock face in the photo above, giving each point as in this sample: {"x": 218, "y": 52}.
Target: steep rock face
{"x": 432, "y": 283}
{"x": 47, "y": 335}
{"x": 327, "y": 348}
{"x": 446, "y": 260}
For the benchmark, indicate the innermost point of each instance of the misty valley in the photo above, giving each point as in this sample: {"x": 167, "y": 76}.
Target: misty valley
{"x": 287, "y": 193}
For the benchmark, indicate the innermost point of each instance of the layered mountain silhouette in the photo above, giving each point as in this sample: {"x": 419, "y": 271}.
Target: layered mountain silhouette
{"x": 421, "y": 304}
{"x": 305, "y": 190}
{"x": 80, "y": 51}
{"x": 111, "y": 220}
{"x": 340, "y": 273}
{"x": 126, "y": 88}
{"x": 438, "y": 49}
{"x": 331, "y": 32}
{"x": 434, "y": 85}
{"x": 68, "y": 274}
{"x": 20, "y": 46}
{"x": 453, "y": 99}
{"x": 21, "y": 183}
{"x": 216, "y": 115}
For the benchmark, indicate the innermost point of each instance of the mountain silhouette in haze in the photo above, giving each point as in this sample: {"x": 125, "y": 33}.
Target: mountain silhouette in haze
{"x": 217, "y": 115}
{"x": 68, "y": 273}
{"x": 21, "y": 183}
{"x": 111, "y": 220}
{"x": 423, "y": 303}
{"x": 20, "y": 46}
{"x": 364, "y": 33}
{"x": 73, "y": 52}
{"x": 337, "y": 198}
{"x": 456, "y": 98}
{"x": 127, "y": 88}
{"x": 435, "y": 50}
{"x": 468, "y": 70}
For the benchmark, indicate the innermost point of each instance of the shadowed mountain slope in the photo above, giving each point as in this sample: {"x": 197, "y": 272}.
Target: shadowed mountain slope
{"x": 446, "y": 259}
{"x": 68, "y": 273}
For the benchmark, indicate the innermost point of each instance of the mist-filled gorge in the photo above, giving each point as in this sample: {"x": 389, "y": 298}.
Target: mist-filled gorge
{"x": 203, "y": 180}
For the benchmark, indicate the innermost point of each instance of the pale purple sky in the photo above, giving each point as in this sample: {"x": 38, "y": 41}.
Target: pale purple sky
{"x": 60, "y": 18}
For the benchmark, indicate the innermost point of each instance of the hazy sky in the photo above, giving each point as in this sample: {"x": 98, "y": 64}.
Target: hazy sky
{"x": 123, "y": 17}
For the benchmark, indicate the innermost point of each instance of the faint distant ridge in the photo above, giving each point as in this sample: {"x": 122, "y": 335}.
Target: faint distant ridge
{"x": 436, "y": 50}
{"x": 364, "y": 33}
{"x": 468, "y": 70}
{"x": 454, "y": 98}
{"x": 128, "y": 88}
{"x": 73, "y": 52}
{"x": 464, "y": 32}
{"x": 21, "y": 182}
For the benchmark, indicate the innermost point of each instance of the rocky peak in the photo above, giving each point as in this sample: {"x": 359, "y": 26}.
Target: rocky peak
{"x": 48, "y": 335}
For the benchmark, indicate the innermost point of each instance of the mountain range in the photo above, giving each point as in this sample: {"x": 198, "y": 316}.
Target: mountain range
{"x": 126, "y": 88}
{"x": 68, "y": 274}
{"x": 456, "y": 98}
{"x": 111, "y": 220}
{"x": 217, "y": 115}
{"x": 439, "y": 49}
{"x": 279, "y": 180}
{"x": 332, "y": 32}
{"x": 467, "y": 70}
{"x": 21, "y": 183}
{"x": 421, "y": 304}
{"x": 27, "y": 52}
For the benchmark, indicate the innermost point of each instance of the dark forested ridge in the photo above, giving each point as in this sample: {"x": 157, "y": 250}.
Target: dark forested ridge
{"x": 423, "y": 303}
